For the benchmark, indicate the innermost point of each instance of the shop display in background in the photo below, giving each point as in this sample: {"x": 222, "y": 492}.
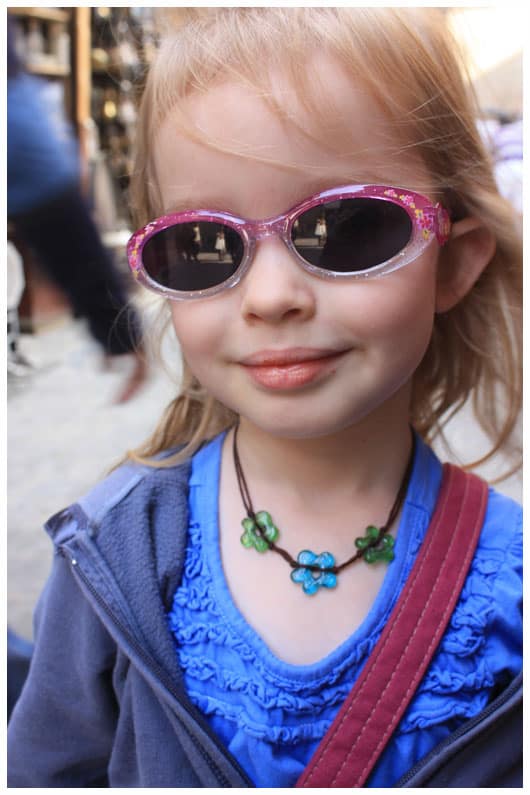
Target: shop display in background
{"x": 123, "y": 42}
{"x": 42, "y": 39}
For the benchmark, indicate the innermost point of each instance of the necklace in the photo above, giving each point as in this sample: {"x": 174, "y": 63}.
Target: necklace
{"x": 309, "y": 570}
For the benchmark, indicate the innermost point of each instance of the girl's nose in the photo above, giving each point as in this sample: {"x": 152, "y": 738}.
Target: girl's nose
{"x": 275, "y": 288}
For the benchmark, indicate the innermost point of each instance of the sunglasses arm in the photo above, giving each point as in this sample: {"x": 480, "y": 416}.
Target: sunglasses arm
{"x": 441, "y": 223}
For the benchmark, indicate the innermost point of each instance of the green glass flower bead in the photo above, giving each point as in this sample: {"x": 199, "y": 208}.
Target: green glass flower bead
{"x": 251, "y": 538}
{"x": 370, "y": 534}
{"x": 383, "y": 552}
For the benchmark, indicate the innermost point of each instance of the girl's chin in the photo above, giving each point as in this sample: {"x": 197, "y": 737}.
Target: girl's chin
{"x": 301, "y": 426}
{"x": 319, "y": 419}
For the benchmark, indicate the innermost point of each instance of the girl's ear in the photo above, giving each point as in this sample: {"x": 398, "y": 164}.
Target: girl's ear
{"x": 462, "y": 260}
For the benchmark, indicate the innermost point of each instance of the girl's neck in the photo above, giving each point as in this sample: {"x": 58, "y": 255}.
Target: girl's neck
{"x": 367, "y": 458}
{"x": 321, "y": 494}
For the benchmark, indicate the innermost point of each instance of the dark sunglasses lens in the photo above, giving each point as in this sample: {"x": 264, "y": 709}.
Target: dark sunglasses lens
{"x": 193, "y": 256}
{"x": 351, "y": 234}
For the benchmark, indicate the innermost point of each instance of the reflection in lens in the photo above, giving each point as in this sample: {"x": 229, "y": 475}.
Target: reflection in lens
{"x": 351, "y": 234}
{"x": 193, "y": 256}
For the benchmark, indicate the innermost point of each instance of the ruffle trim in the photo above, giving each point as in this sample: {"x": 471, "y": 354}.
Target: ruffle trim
{"x": 196, "y": 637}
{"x": 222, "y": 681}
{"x": 311, "y": 731}
{"x": 428, "y": 712}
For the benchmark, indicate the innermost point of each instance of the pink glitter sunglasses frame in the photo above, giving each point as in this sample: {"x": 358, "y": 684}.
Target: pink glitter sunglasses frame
{"x": 428, "y": 221}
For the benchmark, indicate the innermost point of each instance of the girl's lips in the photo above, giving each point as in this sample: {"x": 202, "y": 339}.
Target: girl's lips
{"x": 290, "y": 369}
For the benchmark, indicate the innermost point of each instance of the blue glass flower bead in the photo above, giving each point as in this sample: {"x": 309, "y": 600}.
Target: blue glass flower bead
{"x": 251, "y": 538}
{"x": 312, "y": 581}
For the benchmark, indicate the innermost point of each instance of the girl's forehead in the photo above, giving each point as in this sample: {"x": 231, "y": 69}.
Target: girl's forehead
{"x": 327, "y": 101}
{"x": 336, "y": 124}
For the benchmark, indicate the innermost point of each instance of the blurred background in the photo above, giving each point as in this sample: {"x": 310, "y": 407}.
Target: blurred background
{"x": 65, "y": 428}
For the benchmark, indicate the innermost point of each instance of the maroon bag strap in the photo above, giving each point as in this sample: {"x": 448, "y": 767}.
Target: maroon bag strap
{"x": 360, "y": 732}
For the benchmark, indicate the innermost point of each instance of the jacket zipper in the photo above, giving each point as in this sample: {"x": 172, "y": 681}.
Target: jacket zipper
{"x": 466, "y": 728}
{"x": 162, "y": 676}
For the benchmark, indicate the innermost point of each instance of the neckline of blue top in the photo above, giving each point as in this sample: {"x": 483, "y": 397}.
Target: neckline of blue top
{"x": 417, "y": 508}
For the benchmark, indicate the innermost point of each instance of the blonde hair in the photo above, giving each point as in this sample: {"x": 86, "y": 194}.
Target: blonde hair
{"x": 409, "y": 62}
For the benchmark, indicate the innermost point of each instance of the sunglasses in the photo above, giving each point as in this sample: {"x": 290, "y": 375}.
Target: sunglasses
{"x": 354, "y": 231}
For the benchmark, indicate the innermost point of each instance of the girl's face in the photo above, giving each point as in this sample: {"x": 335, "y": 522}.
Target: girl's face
{"x": 293, "y": 354}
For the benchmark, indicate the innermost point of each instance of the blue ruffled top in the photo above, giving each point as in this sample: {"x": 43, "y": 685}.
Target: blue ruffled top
{"x": 271, "y": 715}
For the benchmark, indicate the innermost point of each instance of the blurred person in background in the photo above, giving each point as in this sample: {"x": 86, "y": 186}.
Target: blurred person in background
{"x": 50, "y": 215}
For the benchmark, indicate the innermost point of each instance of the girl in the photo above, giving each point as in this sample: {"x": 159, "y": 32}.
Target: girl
{"x": 174, "y": 649}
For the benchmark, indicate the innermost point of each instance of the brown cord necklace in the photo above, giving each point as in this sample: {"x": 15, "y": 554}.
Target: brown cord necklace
{"x": 310, "y": 570}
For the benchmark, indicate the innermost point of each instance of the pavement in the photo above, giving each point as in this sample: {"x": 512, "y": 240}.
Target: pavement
{"x": 64, "y": 433}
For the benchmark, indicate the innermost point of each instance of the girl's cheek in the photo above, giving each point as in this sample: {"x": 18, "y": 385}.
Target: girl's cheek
{"x": 392, "y": 309}
{"x": 411, "y": 297}
{"x": 193, "y": 326}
